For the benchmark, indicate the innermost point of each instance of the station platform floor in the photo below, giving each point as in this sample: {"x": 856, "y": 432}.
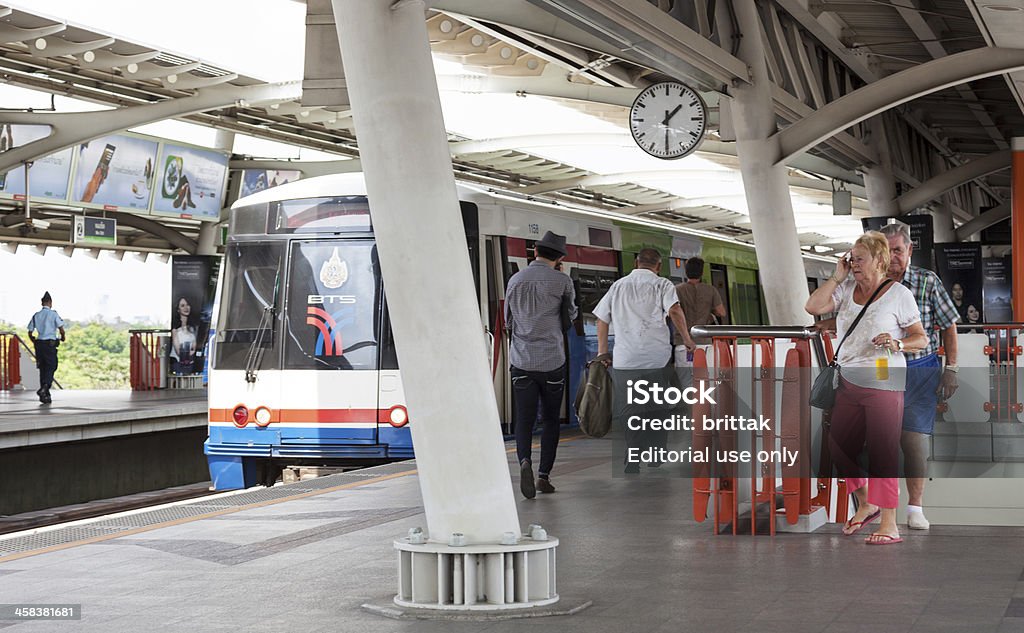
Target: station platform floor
{"x": 306, "y": 556}
{"x": 91, "y": 414}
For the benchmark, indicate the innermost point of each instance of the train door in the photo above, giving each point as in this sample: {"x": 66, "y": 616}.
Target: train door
{"x": 333, "y": 327}
{"x": 720, "y": 280}
{"x": 497, "y": 273}
{"x": 746, "y": 296}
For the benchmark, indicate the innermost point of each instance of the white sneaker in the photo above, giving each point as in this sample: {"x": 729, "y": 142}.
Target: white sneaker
{"x": 917, "y": 521}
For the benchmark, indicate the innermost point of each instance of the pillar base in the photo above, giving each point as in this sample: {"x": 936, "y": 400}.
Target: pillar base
{"x": 483, "y": 577}
{"x": 805, "y": 525}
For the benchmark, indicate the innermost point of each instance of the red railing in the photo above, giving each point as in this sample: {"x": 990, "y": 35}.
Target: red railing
{"x": 789, "y": 427}
{"x": 10, "y": 361}
{"x": 148, "y": 358}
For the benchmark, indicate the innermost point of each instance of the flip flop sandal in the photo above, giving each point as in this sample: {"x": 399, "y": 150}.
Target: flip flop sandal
{"x": 857, "y": 526}
{"x": 882, "y": 539}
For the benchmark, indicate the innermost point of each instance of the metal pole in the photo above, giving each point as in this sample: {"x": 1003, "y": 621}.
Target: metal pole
{"x": 1017, "y": 227}
{"x": 28, "y": 196}
{"x": 463, "y": 468}
{"x": 767, "y": 187}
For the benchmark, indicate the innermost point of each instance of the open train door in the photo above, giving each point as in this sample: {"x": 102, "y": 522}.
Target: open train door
{"x": 495, "y": 260}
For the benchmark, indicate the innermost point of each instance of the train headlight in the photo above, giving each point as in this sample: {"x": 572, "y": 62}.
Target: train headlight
{"x": 398, "y": 416}
{"x": 241, "y": 416}
{"x": 262, "y": 416}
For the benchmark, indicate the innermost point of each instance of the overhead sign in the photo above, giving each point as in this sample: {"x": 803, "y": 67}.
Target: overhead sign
{"x": 102, "y": 231}
{"x": 49, "y": 176}
{"x": 115, "y": 172}
{"x": 190, "y": 182}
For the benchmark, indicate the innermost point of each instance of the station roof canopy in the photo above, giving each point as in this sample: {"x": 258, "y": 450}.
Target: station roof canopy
{"x": 594, "y": 56}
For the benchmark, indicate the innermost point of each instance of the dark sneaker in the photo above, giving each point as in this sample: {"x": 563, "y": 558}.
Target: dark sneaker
{"x": 526, "y": 480}
{"x": 632, "y": 469}
{"x": 543, "y": 485}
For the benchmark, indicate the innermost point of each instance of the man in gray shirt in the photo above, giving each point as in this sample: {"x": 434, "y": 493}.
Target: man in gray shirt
{"x": 534, "y": 303}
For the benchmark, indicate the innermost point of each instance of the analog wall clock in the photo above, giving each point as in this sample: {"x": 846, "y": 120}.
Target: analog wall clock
{"x": 668, "y": 120}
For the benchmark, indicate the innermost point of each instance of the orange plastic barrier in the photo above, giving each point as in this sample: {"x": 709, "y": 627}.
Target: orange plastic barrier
{"x": 10, "y": 361}
{"x": 145, "y": 354}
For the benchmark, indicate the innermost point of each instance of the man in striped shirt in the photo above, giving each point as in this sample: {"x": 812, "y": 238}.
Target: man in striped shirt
{"x": 927, "y": 380}
{"x": 534, "y": 302}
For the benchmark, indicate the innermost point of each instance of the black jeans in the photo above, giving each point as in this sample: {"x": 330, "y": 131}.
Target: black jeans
{"x": 46, "y": 360}
{"x": 528, "y": 388}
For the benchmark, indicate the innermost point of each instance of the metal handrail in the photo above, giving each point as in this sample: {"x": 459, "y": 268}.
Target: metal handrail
{"x": 766, "y": 331}
{"x": 30, "y": 351}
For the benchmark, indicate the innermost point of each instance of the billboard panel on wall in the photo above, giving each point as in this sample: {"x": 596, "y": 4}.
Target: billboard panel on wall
{"x": 49, "y": 175}
{"x": 254, "y": 180}
{"x": 190, "y": 182}
{"x": 115, "y": 173}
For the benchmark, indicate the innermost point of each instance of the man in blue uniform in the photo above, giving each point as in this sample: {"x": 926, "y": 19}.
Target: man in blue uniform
{"x": 46, "y": 324}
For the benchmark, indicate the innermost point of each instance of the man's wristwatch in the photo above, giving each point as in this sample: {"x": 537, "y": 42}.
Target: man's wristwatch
{"x": 899, "y": 345}
{"x": 953, "y": 368}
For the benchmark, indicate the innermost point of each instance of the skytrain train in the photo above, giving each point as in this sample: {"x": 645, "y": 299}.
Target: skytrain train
{"x": 304, "y": 368}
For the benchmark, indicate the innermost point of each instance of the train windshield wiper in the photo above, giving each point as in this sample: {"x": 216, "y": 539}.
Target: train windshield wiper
{"x": 254, "y": 357}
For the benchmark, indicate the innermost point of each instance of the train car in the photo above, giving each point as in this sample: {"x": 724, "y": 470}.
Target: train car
{"x": 304, "y": 368}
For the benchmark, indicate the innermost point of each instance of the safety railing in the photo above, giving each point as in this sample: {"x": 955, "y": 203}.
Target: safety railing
{"x": 10, "y": 361}
{"x": 148, "y": 354}
{"x": 997, "y": 347}
{"x": 783, "y": 401}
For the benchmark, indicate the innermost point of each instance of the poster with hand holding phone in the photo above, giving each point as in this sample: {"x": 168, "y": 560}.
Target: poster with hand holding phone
{"x": 191, "y": 182}
{"x": 115, "y": 172}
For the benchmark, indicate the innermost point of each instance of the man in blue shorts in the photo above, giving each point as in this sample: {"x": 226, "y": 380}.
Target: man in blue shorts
{"x": 927, "y": 380}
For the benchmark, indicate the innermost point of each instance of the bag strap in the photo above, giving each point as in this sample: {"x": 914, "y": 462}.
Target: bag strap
{"x": 878, "y": 290}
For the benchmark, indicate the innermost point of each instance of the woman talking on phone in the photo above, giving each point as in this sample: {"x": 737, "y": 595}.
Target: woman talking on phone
{"x": 872, "y": 377}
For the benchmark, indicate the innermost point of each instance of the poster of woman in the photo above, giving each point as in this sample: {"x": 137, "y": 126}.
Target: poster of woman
{"x": 193, "y": 283}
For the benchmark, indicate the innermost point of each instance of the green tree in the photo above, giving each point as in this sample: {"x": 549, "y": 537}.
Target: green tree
{"x": 95, "y": 355}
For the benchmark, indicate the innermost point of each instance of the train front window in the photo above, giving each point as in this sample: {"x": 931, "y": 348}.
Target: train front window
{"x": 251, "y": 303}
{"x": 340, "y": 214}
{"x": 334, "y": 306}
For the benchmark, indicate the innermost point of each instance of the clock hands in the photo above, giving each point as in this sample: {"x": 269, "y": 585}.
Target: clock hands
{"x": 669, "y": 115}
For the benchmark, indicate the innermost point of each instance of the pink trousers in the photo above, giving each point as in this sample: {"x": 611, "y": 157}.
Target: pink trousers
{"x": 874, "y": 417}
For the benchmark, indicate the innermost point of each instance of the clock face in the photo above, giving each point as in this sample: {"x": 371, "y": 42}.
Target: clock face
{"x": 668, "y": 120}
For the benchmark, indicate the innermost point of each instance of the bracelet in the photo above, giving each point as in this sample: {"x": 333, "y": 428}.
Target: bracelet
{"x": 953, "y": 368}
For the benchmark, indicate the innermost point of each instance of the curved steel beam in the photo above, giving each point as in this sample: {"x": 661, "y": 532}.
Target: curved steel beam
{"x": 154, "y": 228}
{"x": 994, "y": 215}
{"x": 308, "y": 168}
{"x": 893, "y": 90}
{"x": 953, "y": 178}
{"x": 70, "y": 128}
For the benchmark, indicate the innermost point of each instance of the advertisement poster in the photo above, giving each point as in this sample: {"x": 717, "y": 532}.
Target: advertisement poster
{"x": 998, "y": 274}
{"x": 254, "y": 180}
{"x": 49, "y": 176}
{"x": 115, "y": 172}
{"x": 193, "y": 283}
{"x": 922, "y": 234}
{"x": 190, "y": 182}
{"x": 959, "y": 267}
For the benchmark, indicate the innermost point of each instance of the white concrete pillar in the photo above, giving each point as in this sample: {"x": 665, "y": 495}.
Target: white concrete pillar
{"x": 771, "y": 209}
{"x": 878, "y": 179}
{"x": 942, "y": 223}
{"x": 403, "y": 145}
{"x": 207, "y": 240}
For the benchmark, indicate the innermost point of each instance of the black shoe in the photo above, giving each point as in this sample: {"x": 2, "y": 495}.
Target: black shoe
{"x": 632, "y": 469}
{"x": 543, "y": 485}
{"x": 526, "y": 480}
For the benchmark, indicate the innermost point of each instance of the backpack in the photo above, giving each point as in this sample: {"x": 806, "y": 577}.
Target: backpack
{"x": 594, "y": 400}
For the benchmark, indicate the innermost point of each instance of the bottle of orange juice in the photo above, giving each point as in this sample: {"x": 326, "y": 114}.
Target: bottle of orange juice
{"x": 882, "y": 366}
